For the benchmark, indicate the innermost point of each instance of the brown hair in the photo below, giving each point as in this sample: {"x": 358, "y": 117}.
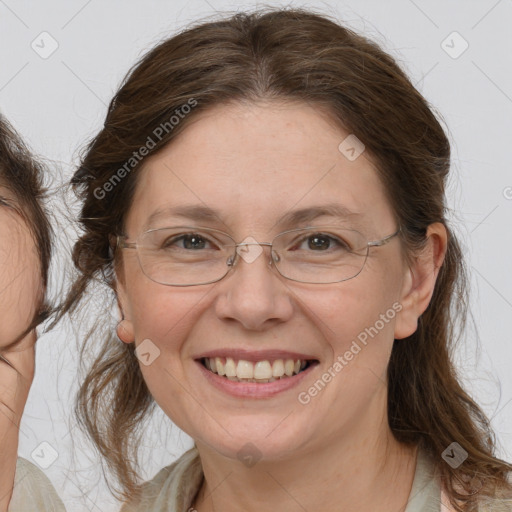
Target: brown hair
{"x": 296, "y": 55}
{"x": 23, "y": 176}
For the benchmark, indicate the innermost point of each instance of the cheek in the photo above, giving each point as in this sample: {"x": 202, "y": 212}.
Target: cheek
{"x": 356, "y": 318}
{"x": 160, "y": 313}
{"x": 357, "y": 324}
{"x": 20, "y": 286}
{"x": 166, "y": 319}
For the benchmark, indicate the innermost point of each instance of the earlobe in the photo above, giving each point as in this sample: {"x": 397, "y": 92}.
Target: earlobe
{"x": 420, "y": 279}
{"x": 124, "y": 329}
{"x": 125, "y": 332}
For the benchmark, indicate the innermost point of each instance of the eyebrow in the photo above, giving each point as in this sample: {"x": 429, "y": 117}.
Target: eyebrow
{"x": 202, "y": 213}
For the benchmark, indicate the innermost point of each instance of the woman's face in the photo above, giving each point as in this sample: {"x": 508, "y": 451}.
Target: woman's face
{"x": 251, "y": 165}
{"x": 20, "y": 275}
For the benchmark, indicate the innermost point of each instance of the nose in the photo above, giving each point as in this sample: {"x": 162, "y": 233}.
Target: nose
{"x": 254, "y": 293}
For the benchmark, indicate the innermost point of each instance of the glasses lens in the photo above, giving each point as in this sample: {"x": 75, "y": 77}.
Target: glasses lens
{"x": 320, "y": 255}
{"x": 184, "y": 256}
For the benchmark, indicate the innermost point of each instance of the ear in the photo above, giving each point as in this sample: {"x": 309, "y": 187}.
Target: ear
{"x": 124, "y": 329}
{"x": 420, "y": 279}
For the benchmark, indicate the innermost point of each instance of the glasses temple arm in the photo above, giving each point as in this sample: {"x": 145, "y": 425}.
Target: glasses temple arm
{"x": 385, "y": 240}
{"x": 121, "y": 243}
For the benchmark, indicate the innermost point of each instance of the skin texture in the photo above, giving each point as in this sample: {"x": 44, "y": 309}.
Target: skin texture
{"x": 254, "y": 163}
{"x": 20, "y": 295}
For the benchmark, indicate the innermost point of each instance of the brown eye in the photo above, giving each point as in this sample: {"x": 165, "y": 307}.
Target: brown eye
{"x": 192, "y": 241}
{"x": 320, "y": 242}
{"x": 187, "y": 241}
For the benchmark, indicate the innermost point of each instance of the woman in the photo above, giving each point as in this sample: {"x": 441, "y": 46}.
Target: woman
{"x": 24, "y": 261}
{"x": 313, "y": 374}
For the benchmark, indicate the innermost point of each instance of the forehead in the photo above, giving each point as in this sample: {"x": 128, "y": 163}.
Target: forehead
{"x": 253, "y": 163}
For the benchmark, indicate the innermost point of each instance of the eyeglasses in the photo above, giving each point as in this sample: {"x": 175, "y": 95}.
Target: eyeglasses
{"x": 190, "y": 256}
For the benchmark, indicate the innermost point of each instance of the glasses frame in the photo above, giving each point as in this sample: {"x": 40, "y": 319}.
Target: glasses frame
{"x": 123, "y": 243}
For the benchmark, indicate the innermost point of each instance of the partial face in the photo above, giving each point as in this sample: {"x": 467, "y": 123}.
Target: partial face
{"x": 20, "y": 275}
{"x": 252, "y": 165}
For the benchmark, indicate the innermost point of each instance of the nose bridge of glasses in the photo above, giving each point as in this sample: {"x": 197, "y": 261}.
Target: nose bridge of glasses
{"x": 243, "y": 250}
{"x": 253, "y": 243}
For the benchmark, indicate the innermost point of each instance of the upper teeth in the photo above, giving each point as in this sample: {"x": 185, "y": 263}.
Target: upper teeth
{"x": 260, "y": 371}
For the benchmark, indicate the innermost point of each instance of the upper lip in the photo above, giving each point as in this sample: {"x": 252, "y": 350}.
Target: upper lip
{"x": 252, "y": 355}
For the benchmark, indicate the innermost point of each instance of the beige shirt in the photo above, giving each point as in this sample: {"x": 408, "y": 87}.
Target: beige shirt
{"x": 161, "y": 493}
{"x": 33, "y": 491}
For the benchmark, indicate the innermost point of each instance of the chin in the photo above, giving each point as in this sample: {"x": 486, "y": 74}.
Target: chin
{"x": 269, "y": 440}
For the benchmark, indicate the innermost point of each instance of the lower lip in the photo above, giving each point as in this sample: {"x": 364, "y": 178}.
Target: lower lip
{"x": 253, "y": 389}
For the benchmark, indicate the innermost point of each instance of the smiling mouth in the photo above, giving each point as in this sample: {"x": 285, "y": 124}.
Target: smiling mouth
{"x": 257, "y": 372}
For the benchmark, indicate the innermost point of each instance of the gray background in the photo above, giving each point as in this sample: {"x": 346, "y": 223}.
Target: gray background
{"x": 59, "y": 102}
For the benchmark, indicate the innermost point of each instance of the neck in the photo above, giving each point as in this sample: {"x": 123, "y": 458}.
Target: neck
{"x": 365, "y": 471}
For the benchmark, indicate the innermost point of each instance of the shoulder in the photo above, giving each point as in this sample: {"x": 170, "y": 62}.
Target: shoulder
{"x": 498, "y": 501}
{"x": 501, "y": 502}
{"x": 428, "y": 492}
{"x": 33, "y": 490}
{"x": 172, "y": 489}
